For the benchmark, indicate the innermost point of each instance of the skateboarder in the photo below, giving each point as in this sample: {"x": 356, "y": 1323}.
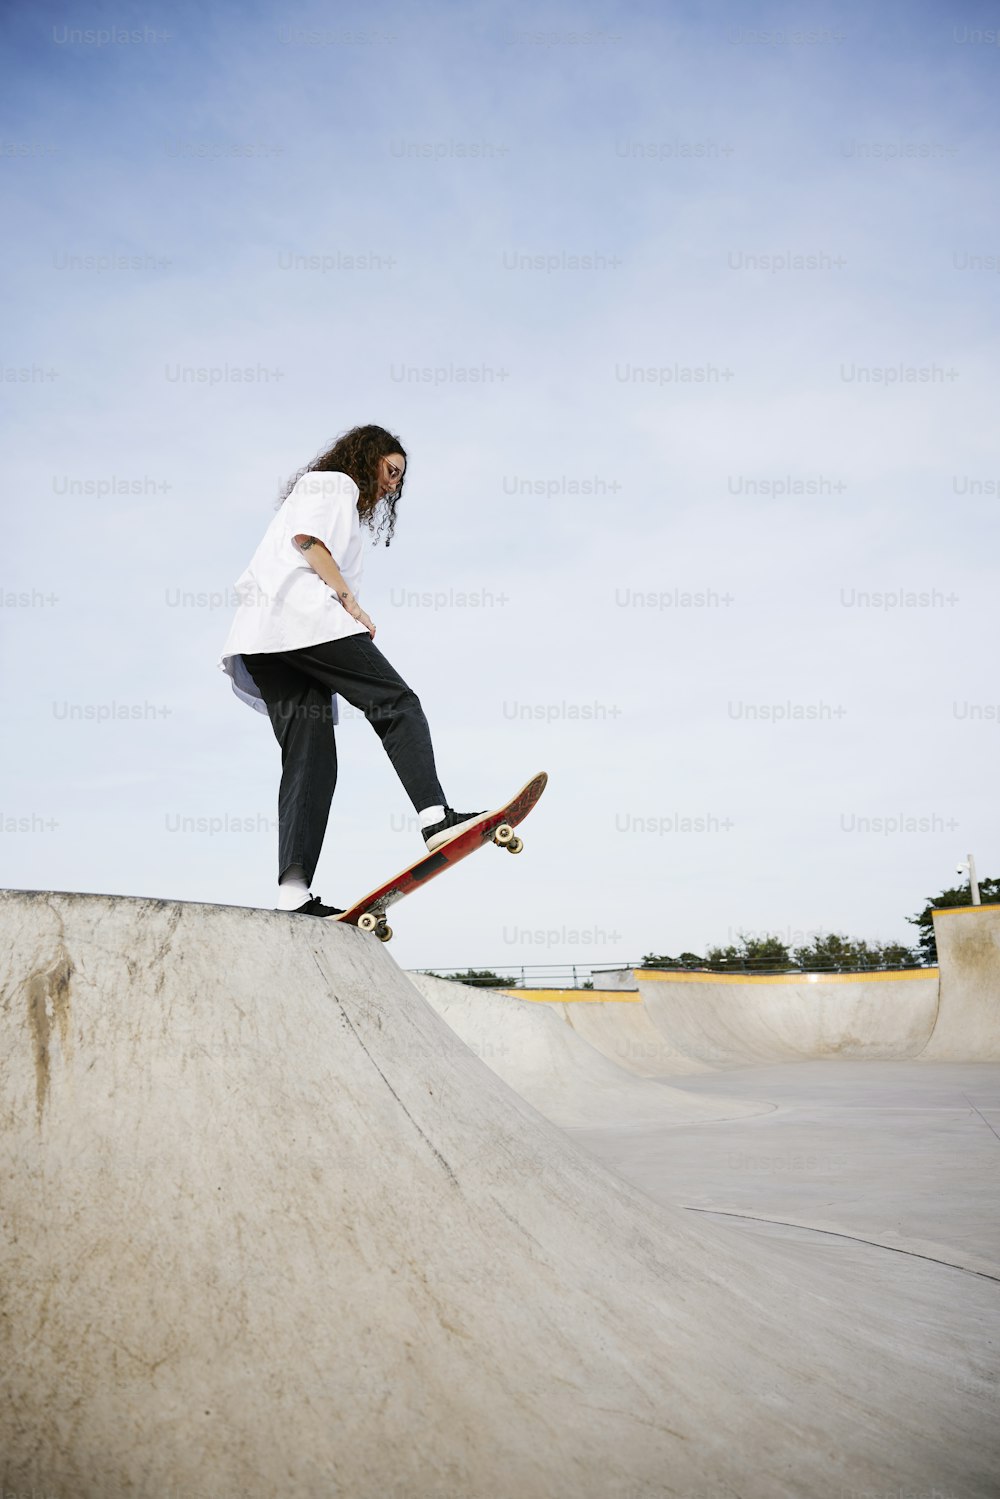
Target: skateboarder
{"x": 300, "y": 636}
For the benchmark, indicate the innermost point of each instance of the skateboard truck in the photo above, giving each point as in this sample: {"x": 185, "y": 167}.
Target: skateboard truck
{"x": 371, "y": 921}
{"x": 506, "y": 838}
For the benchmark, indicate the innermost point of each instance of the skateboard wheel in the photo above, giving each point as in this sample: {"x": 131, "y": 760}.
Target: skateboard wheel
{"x": 384, "y": 933}
{"x": 515, "y": 845}
{"x": 368, "y": 922}
{"x": 503, "y": 834}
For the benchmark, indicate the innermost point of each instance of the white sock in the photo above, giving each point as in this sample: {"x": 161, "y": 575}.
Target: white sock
{"x": 292, "y": 889}
{"x": 429, "y": 816}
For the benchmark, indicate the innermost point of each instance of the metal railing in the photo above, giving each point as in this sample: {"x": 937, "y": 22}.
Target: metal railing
{"x": 592, "y": 976}
{"x": 539, "y": 975}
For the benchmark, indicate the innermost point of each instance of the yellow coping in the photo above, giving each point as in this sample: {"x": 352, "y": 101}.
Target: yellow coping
{"x": 673, "y": 976}
{"x": 576, "y": 996}
{"x": 962, "y": 910}
{"x": 677, "y": 976}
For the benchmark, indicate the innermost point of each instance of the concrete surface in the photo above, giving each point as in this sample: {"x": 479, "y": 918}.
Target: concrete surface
{"x": 845, "y": 1142}
{"x": 968, "y": 1023}
{"x": 552, "y": 1061}
{"x": 724, "y": 1020}
{"x": 623, "y": 1031}
{"x": 896, "y": 1154}
{"x": 270, "y": 1227}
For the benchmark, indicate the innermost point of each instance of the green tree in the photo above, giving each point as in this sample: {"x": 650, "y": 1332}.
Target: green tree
{"x": 837, "y": 952}
{"x": 750, "y": 953}
{"x": 483, "y": 978}
{"x": 663, "y": 960}
{"x": 898, "y": 955}
{"x": 958, "y": 895}
{"x": 830, "y": 950}
{"x": 658, "y": 960}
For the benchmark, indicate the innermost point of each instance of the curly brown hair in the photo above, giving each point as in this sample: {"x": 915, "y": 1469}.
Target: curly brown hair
{"x": 357, "y": 454}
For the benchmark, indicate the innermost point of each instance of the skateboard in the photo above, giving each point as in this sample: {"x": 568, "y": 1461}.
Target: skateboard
{"x": 497, "y": 827}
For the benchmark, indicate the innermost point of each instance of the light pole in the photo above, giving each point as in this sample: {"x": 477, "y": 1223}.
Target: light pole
{"x": 969, "y": 868}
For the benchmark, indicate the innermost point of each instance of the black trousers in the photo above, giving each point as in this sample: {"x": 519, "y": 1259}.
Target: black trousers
{"x": 296, "y": 686}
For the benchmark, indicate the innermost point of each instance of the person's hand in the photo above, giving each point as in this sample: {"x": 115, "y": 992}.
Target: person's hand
{"x": 356, "y": 612}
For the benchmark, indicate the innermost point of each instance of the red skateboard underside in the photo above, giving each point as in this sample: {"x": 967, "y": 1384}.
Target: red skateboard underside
{"x": 427, "y": 868}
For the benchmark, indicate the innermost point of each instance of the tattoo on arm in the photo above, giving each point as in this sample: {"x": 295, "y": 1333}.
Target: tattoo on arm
{"x": 306, "y": 543}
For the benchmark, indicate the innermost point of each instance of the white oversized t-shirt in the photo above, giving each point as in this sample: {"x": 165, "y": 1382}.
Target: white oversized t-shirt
{"x": 283, "y": 602}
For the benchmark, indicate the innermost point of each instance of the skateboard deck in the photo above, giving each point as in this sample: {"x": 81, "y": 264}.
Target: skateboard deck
{"x": 492, "y": 827}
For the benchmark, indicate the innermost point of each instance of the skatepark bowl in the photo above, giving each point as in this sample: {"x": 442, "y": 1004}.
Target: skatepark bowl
{"x": 280, "y": 1219}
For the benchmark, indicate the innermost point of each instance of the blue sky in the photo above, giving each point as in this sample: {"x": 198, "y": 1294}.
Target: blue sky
{"x": 772, "y": 389}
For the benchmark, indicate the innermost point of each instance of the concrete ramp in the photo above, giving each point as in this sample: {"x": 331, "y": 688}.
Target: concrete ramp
{"x": 547, "y": 1052}
{"x": 729, "y": 1020}
{"x": 968, "y": 1022}
{"x": 617, "y": 1024}
{"x": 269, "y": 1228}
